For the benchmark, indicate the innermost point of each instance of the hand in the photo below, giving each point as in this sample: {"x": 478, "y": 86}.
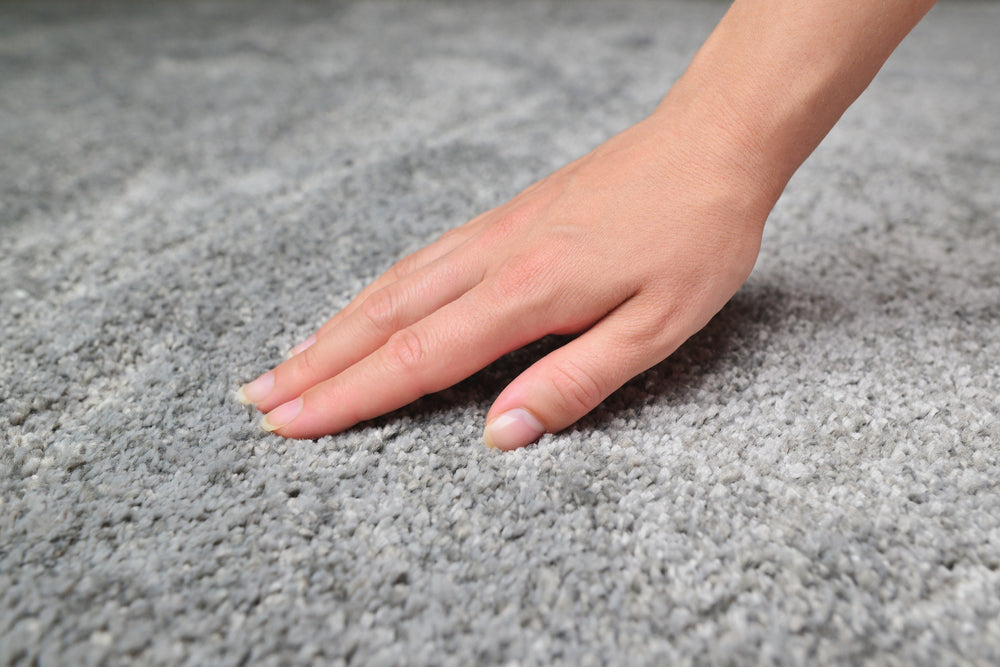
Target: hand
{"x": 634, "y": 246}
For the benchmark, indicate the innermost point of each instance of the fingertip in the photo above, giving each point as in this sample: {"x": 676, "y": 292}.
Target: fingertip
{"x": 242, "y": 397}
{"x": 281, "y": 416}
{"x": 254, "y": 392}
{"x": 513, "y": 429}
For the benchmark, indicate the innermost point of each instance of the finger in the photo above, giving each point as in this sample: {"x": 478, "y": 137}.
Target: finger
{"x": 368, "y": 327}
{"x": 445, "y": 347}
{"x": 571, "y": 381}
{"x": 404, "y": 267}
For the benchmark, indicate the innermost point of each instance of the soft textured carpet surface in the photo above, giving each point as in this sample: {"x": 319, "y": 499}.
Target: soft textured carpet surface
{"x": 187, "y": 190}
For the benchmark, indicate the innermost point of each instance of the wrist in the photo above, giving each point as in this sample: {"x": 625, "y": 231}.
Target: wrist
{"x": 720, "y": 154}
{"x": 776, "y": 75}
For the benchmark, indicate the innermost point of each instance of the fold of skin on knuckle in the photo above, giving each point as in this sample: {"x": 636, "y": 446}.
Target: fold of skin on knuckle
{"x": 576, "y": 391}
{"x": 305, "y": 364}
{"x": 402, "y": 267}
{"x": 381, "y": 312}
{"x": 404, "y": 354}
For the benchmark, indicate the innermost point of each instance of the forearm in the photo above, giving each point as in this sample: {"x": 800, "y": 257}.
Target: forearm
{"x": 776, "y": 75}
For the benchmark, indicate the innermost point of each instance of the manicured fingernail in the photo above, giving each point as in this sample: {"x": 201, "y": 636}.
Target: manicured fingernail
{"x": 282, "y": 415}
{"x": 514, "y": 428}
{"x": 256, "y": 391}
{"x": 302, "y": 347}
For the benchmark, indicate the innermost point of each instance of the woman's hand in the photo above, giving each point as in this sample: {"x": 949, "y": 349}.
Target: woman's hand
{"x": 634, "y": 246}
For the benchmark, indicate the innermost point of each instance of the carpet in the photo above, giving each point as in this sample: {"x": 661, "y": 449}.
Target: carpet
{"x": 187, "y": 189}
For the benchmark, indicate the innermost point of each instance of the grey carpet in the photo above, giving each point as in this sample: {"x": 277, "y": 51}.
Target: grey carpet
{"x": 187, "y": 190}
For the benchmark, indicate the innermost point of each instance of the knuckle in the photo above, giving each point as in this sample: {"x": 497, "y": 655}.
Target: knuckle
{"x": 507, "y": 223}
{"x": 381, "y": 311}
{"x": 404, "y": 352}
{"x": 452, "y": 235}
{"x": 577, "y": 390}
{"x": 402, "y": 268}
{"x": 308, "y": 363}
{"x": 522, "y": 277}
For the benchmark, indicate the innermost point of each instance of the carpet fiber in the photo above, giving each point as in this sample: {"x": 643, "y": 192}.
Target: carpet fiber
{"x": 189, "y": 189}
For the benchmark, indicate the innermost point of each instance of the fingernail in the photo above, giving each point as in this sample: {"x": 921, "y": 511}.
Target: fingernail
{"x": 301, "y": 347}
{"x": 514, "y": 428}
{"x": 281, "y": 415}
{"x": 256, "y": 391}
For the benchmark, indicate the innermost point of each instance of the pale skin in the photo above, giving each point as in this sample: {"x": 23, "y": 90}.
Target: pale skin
{"x": 634, "y": 247}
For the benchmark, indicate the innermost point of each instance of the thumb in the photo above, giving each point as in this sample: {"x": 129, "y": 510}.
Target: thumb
{"x": 569, "y": 382}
